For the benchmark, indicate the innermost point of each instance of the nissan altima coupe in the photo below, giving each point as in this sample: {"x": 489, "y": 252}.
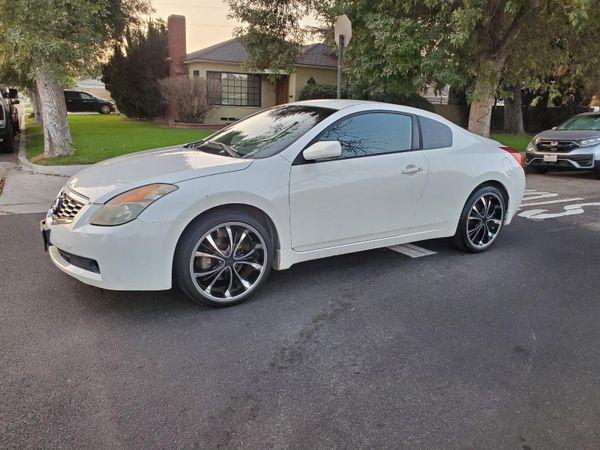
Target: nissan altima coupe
{"x": 292, "y": 183}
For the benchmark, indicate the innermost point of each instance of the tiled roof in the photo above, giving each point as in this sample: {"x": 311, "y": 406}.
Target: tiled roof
{"x": 233, "y": 51}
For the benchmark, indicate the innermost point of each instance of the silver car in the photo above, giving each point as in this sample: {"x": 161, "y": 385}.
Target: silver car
{"x": 575, "y": 144}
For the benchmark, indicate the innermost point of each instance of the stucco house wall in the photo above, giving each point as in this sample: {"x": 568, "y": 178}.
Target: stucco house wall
{"x": 321, "y": 75}
{"x": 220, "y": 114}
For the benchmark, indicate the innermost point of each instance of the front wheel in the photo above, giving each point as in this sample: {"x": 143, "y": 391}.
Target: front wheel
{"x": 481, "y": 220}
{"x": 223, "y": 258}
{"x": 105, "y": 109}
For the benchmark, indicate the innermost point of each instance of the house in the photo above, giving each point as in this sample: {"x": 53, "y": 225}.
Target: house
{"x": 236, "y": 92}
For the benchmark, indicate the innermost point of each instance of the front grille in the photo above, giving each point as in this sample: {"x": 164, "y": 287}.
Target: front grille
{"x": 549, "y": 145}
{"x": 583, "y": 161}
{"x": 91, "y": 265}
{"x": 67, "y": 208}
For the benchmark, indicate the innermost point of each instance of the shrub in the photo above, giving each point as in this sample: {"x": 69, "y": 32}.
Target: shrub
{"x": 317, "y": 91}
{"x": 188, "y": 95}
{"x": 414, "y": 100}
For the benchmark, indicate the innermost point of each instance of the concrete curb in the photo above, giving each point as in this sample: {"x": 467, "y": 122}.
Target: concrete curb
{"x": 61, "y": 171}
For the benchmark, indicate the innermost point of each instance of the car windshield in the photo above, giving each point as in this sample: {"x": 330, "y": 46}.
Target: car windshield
{"x": 267, "y": 133}
{"x": 587, "y": 122}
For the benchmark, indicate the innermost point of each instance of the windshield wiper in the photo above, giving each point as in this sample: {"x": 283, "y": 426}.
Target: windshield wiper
{"x": 228, "y": 149}
{"x": 223, "y": 147}
{"x": 194, "y": 144}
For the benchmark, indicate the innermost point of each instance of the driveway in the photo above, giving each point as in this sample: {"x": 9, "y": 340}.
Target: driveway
{"x": 375, "y": 349}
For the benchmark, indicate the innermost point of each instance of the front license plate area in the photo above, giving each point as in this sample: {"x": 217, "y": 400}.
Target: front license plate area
{"x": 550, "y": 158}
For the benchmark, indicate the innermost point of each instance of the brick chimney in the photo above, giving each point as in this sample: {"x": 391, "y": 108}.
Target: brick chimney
{"x": 177, "y": 52}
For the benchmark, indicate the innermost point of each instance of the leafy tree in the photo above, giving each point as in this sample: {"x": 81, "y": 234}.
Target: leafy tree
{"x": 132, "y": 72}
{"x": 403, "y": 46}
{"x": 49, "y": 42}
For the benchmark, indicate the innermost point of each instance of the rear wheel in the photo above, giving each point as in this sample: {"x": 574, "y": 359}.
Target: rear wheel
{"x": 223, "y": 258}
{"x": 481, "y": 220}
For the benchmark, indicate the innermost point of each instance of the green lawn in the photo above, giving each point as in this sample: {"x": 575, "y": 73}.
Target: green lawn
{"x": 516, "y": 141}
{"x": 97, "y": 137}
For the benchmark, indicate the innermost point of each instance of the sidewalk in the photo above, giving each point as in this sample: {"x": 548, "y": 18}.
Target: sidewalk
{"x": 30, "y": 188}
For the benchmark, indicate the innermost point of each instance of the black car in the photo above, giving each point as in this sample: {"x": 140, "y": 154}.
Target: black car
{"x": 79, "y": 101}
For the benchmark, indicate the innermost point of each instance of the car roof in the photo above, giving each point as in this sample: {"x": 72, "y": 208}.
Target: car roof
{"x": 367, "y": 105}
{"x": 590, "y": 113}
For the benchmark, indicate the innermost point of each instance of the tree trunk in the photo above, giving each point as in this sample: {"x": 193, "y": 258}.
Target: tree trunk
{"x": 480, "y": 113}
{"x": 37, "y": 107}
{"x": 513, "y": 112}
{"x": 57, "y": 135}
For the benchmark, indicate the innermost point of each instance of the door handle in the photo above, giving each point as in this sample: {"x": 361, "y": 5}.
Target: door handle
{"x": 411, "y": 169}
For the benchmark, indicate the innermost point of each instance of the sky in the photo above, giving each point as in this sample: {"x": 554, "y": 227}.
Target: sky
{"x": 206, "y": 20}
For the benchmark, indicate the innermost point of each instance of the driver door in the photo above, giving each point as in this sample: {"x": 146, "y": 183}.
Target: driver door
{"x": 371, "y": 191}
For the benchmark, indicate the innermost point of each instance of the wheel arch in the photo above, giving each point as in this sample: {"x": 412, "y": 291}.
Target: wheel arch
{"x": 256, "y": 212}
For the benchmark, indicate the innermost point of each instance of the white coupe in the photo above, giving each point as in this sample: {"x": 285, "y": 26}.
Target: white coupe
{"x": 289, "y": 184}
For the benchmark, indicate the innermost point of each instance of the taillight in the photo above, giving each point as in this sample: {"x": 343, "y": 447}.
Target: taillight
{"x": 515, "y": 154}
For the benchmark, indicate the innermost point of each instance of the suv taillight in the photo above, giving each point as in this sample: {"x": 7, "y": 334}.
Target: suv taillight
{"x": 515, "y": 154}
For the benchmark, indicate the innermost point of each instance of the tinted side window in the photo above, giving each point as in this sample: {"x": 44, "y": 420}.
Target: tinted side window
{"x": 69, "y": 95}
{"x": 435, "y": 134}
{"x": 86, "y": 96}
{"x": 371, "y": 134}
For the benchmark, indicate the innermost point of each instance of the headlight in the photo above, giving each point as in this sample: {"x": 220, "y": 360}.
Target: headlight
{"x": 589, "y": 142}
{"x": 127, "y": 206}
{"x": 531, "y": 147}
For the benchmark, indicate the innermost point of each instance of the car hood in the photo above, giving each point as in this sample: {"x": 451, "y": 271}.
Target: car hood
{"x": 106, "y": 179}
{"x": 569, "y": 135}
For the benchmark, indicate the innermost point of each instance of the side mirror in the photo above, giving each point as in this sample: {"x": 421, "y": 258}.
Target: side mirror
{"x": 323, "y": 150}
{"x": 15, "y": 101}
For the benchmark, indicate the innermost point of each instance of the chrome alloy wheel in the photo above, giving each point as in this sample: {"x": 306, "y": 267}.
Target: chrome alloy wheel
{"x": 228, "y": 261}
{"x": 485, "y": 220}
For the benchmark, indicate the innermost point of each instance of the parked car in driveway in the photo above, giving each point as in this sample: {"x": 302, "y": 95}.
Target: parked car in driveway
{"x": 289, "y": 184}
{"x": 574, "y": 144}
{"x": 80, "y": 101}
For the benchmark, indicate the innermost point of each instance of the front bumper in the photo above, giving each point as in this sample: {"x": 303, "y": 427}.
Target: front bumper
{"x": 578, "y": 161}
{"x": 134, "y": 256}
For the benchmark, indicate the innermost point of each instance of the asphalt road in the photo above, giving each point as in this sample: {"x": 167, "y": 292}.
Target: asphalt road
{"x": 375, "y": 349}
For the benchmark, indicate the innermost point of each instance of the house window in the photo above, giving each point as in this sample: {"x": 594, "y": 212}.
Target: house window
{"x": 196, "y": 74}
{"x": 233, "y": 89}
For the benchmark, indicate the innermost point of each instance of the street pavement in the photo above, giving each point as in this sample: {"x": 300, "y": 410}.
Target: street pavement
{"x": 368, "y": 350}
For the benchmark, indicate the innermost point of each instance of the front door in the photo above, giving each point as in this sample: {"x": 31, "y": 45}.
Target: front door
{"x": 282, "y": 90}
{"x": 371, "y": 191}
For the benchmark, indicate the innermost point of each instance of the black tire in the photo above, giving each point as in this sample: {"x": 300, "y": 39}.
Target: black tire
{"x": 105, "y": 109}
{"x": 193, "y": 238}
{"x": 462, "y": 237}
{"x": 8, "y": 145}
{"x": 597, "y": 173}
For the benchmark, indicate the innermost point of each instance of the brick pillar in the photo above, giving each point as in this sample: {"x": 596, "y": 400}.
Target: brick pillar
{"x": 177, "y": 52}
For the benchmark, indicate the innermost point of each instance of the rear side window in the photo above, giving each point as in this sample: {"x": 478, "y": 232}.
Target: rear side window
{"x": 371, "y": 134}
{"x": 435, "y": 134}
